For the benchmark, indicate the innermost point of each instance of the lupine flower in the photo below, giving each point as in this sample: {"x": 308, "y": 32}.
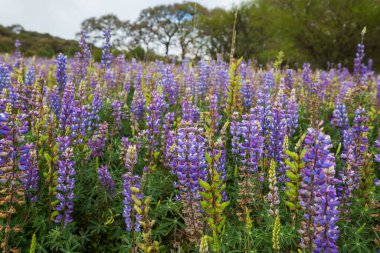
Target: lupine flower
{"x": 30, "y": 77}
{"x": 84, "y": 55}
{"x": 277, "y": 135}
{"x": 291, "y": 113}
{"x": 66, "y": 182}
{"x": 5, "y": 80}
{"x": 326, "y": 213}
{"x": 131, "y": 217}
{"x": 273, "y": 198}
{"x": 153, "y": 119}
{"x": 61, "y": 75}
{"x": 317, "y": 160}
{"x": 106, "y": 53}
{"x": 189, "y": 166}
{"x": 190, "y": 112}
{"x": 247, "y": 92}
{"x": 130, "y": 158}
{"x": 106, "y": 179}
{"x": 201, "y": 85}
{"x": 29, "y": 165}
{"x": 250, "y": 152}
{"x": 97, "y": 142}
{"x": 359, "y": 57}
{"x": 68, "y": 118}
{"x": 289, "y": 79}
{"x": 340, "y": 117}
{"x": 170, "y": 85}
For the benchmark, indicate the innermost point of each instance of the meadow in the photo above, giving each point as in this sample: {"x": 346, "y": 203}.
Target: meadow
{"x": 192, "y": 156}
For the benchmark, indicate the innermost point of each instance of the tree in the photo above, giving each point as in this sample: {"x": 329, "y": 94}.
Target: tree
{"x": 120, "y": 30}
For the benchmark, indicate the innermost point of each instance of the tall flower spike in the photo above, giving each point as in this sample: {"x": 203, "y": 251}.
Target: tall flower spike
{"x": 273, "y": 198}
{"x": 190, "y": 167}
{"x": 106, "y": 53}
{"x": 66, "y": 182}
{"x": 61, "y": 75}
{"x": 317, "y": 159}
{"x": 106, "y": 179}
{"x": 132, "y": 196}
{"x": 29, "y": 165}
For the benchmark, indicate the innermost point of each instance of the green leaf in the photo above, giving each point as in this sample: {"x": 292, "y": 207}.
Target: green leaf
{"x": 204, "y": 184}
{"x": 293, "y": 155}
{"x": 292, "y": 165}
{"x": 205, "y": 195}
{"x": 292, "y": 176}
{"x": 47, "y": 157}
{"x": 290, "y": 205}
{"x": 224, "y": 205}
{"x": 208, "y": 158}
{"x": 290, "y": 185}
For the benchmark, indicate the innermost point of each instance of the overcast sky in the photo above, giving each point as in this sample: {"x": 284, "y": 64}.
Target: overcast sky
{"x": 63, "y": 17}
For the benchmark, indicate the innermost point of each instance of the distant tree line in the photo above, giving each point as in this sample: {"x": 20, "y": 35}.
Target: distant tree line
{"x": 319, "y": 32}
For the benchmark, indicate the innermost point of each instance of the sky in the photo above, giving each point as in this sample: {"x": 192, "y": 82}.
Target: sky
{"x": 62, "y": 18}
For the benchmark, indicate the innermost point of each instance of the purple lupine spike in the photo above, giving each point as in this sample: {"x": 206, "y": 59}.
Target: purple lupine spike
{"x": 201, "y": 85}
{"x": 110, "y": 79}
{"x": 68, "y": 109}
{"x": 84, "y": 55}
{"x": 30, "y": 76}
{"x": 317, "y": 159}
{"x": 340, "y": 117}
{"x": 213, "y": 107}
{"x": 129, "y": 214}
{"x": 61, "y": 75}
{"x": 277, "y": 135}
{"x": 355, "y": 149}
{"x": 5, "y": 79}
{"x": 269, "y": 80}
{"x": 138, "y": 104}
{"x": 170, "y": 85}
{"x": 190, "y": 166}
{"x": 97, "y": 142}
{"x": 29, "y": 165}
{"x": 288, "y": 80}
{"x": 106, "y": 179}
{"x": 66, "y": 182}
{"x": 190, "y": 112}
{"x": 263, "y": 109}
{"x": 326, "y": 212}
{"x": 247, "y": 92}
{"x": 106, "y": 53}
{"x": 291, "y": 113}
{"x": 359, "y": 57}
{"x": 54, "y": 102}
{"x": 251, "y": 146}
{"x": 153, "y": 119}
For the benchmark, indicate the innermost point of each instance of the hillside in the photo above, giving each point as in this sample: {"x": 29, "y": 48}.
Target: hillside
{"x": 34, "y": 43}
